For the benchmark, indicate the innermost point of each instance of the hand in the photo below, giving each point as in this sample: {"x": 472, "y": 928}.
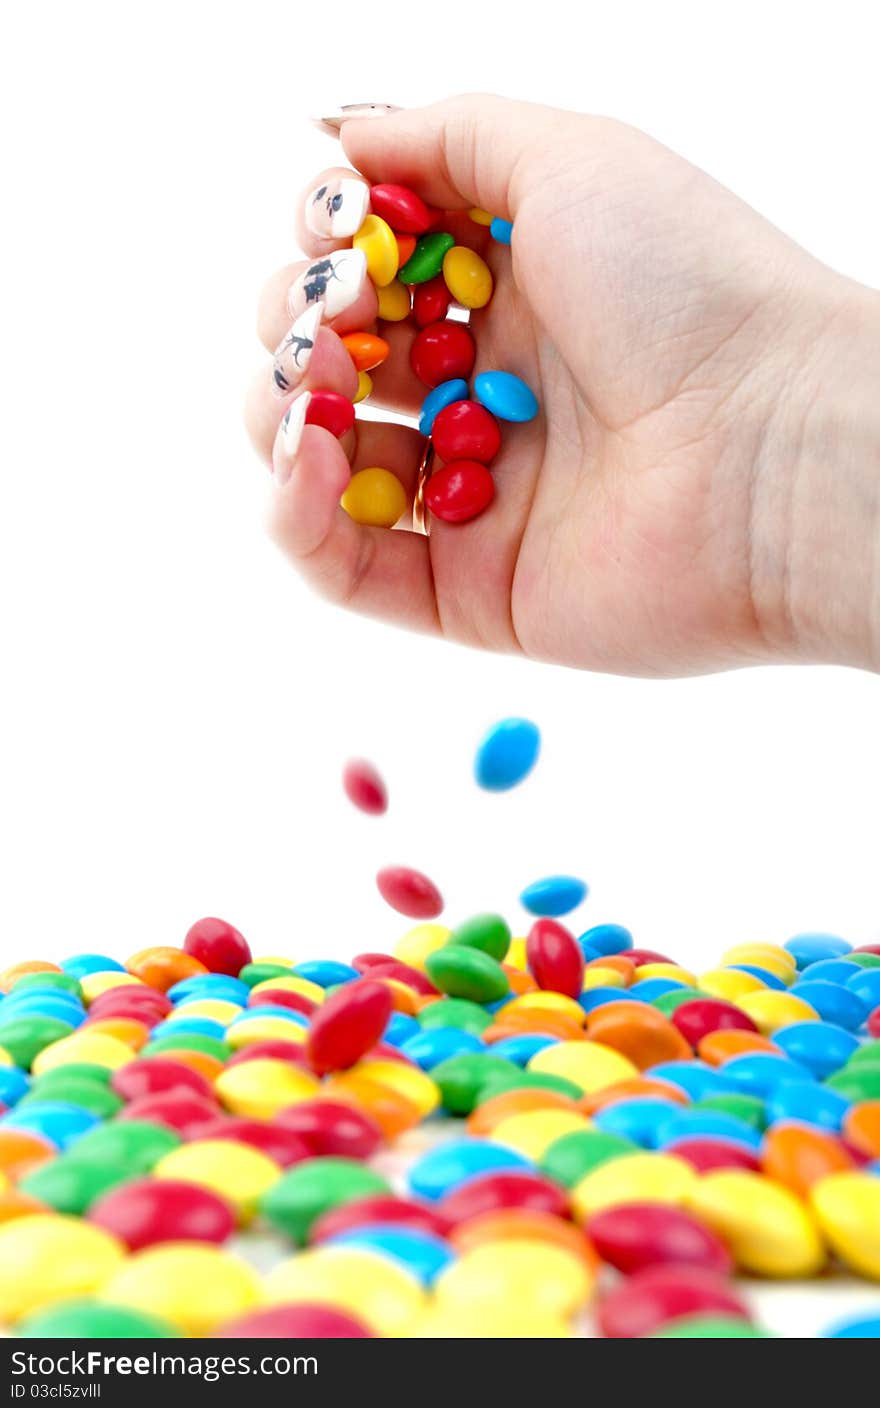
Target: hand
{"x": 702, "y": 488}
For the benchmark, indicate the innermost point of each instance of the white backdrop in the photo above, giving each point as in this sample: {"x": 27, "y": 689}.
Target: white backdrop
{"x": 175, "y": 706}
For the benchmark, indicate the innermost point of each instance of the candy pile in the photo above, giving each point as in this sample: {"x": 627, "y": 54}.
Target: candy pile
{"x": 474, "y": 1134}
{"x": 419, "y": 272}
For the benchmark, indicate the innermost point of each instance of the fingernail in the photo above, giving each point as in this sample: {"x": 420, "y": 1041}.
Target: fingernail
{"x": 337, "y": 209}
{"x": 289, "y": 435}
{"x": 333, "y": 121}
{"x": 332, "y": 283}
{"x": 293, "y": 353}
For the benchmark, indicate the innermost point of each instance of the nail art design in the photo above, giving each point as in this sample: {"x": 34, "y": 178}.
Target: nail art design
{"x": 332, "y": 283}
{"x": 293, "y": 353}
{"x": 337, "y": 209}
{"x": 289, "y": 435}
{"x": 334, "y": 120}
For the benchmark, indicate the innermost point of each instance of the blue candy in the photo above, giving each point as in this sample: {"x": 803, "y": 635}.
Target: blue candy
{"x": 808, "y": 1103}
{"x": 420, "y": 1252}
{"x": 857, "y": 1327}
{"x": 760, "y": 1072}
{"x": 554, "y": 895}
{"x": 445, "y": 1167}
{"x": 501, "y": 230}
{"x": 834, "y": 1003}
{"x": 13, "y": 1085}
{"x": 506, "y": 396}
{"x": 640, "y": 1119}
{"x": 215, "y": 985}
{"x": 507, "y": 754}
{"x": 435, "y": 401}
{"x": 833, "y": 970}
{"x": 763, "y": 975}
{"x": 60, "y": 1123}
{"x": 400, "y": 1028}
{"x": 696, "y": 1078}
{"x": 269, "y": 1010}
{"x": 649, "y": 988}
{"x": 436, "y": 1044}
{"x": 716, "y": 1124}
{"x": 82, "y": 964}
{"x": 520, "y": 1049}
{"x": 326, "y": 972}
{"x": 820, "y": 1046}
{"x": 603, "y": 939}
{"x": 811, "y": 948}
{"x": 591, "y": 998}
{"x": 866, "y": 985}
{"x": 199, "y": 1026}
{"x": 45, "y": 1002}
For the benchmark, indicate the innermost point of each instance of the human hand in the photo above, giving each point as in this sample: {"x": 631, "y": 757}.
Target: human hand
{"x": 702, "y": 487}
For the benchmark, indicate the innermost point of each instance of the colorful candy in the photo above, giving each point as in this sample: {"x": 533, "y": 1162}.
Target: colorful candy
{"x": 375, "y": 497}
{"x": 364, "y": 787}
{"x": 409, "y": 892}
{"x": 460, "y": 491}
{"x": 441, "y": 352}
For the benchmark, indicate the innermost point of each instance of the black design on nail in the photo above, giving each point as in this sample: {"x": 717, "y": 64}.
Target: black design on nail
{"x": 317, "y": 278}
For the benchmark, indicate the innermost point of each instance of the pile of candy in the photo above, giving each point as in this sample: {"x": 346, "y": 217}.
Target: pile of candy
{"x": 419, "y": 272}
{"x": 474, "y": 1135}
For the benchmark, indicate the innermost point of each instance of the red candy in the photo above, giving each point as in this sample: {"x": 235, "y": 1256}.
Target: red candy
{"x": 654, "y": 1297}
{"x": 632, "y": 1236}
{"x": 638, "y": 956}
{"x": 441, "y": 352}
{"x": 491, "y": 1191}
{"x": 554, "y": 958}
{"x": 151, "y": 1210}
{"x": 402, "y": 973}
{"x": 704, "y": 1154}
{"x": 709, "y": 1014}
{"x": 296, "y": 1322}
{"x": 143, "y": 1003}
{"x": 155, "y": 1075}
{"x": 281, "y": 997}
{"x": 460, "y": 491}
{"x": 275, "y": 1048}
{"x": 379, "y": 1208}
{"x": 331, "y": 411}
{"x": 347, "y": 1025}
{"x": 400, "y": 208}
{"x": 409, "y": 892}
{"x": 332, "y": 1127}
{"x": 874, "y": 1022}
{"x": 364, "y": 787}
{"x": 218, "y": 945}
{"x": 282, "y": 1145}
{"x": 180, "y": 1110}
{"x": 431, "y": 301}
{"x": 465, "y": 430}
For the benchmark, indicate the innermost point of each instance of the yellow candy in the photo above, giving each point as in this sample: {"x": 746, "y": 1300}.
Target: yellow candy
{"x": 371, "y": 1287}
{"x": 467, "y": 276}
{"x": 394, "y": 302}
{"x": 666, "y": 970}
{"x": 259, "y": 1028}
{"x": 480, "y": 217}
{"x": 408, "y": 1081}
{"x": 532, "y": 1132}
{"x": 5, "y": 1058}
{"x": 259, "y": 1089}
{"x": 364, "y": 388}
{"x": 237, "y": 1172}
{"x": 516, "y": 955}
{"x": 93, "y": 984}
{"x": 375, "y": 239}
{"x": 775, "y": 959}
{"x": 215, "y": 1008}
{"x": 90, "y": 1048}
{"x": 47, "y": 1257}
{"x": 633, "y": 1178}
{"x": 418, "y": 943}
{"x": 304, "y": 986}
{"x": 602, "y": 978}
{"x": 847, "y": 1206}
{"x": 770, "y": 1009}
{"x": 494, "y": 1322}
{"x": 198, "y": 1287}
{"x": 587, "y": 1064}
{"x": 375, "y": 496}
{"x": 549, "y": 1279}
{"x": 545, "y": 1002}
{"x": 729, "y": 984}
{"x": 768, "y": 1229}
{"x": 275, "y": 958}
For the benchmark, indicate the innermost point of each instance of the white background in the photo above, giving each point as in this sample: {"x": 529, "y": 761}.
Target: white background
{"x": 175, "y": 706}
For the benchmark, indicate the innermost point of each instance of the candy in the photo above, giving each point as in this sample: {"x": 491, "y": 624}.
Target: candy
{"x": 445, "y": 394}
{"x": 419, "y": 1252}
{"x": 554, "y": 958}
{"x": 72, "y": 1186}
{"x": 329, "y": 1126}
{"x": 589, "y": 1065}
{"x": 652, "y": 1298}
{"x": 442, "y": 352}
{"x": 463, "y": 971}
{"x": 633, "y": 1178}
{"x": 137, "y": 1144}
{"x": 467, "y": 276}
{"x": 548, "y": 1279}
{"x": 23, "y": 1038}
{"x": 465, "y": 430}
{"x": 375, "y": 497}
{"x": 302, "y": 1194}
{"x": 501, "y": 230}
{"x": 375, "y": 240}
{"x": 394, "y": 300}
{"x": 768, "y": 1230}
{"x": 146, "y": 1211}
{"x": 347, "y": 1025}
{"x": 633, "y": 1236}
{"x": 315, "y": 1322}
{"x": 459, "y": 492}
{"x": 365, "y": 350}
{"x": 89, "y": 1319}
{"x": 409, "y": 892}
{"x": 364, "y": 787}
{"x": 426, "y": 261}
{"x": 236, "y": 1173}
{"x": 46, "y": 1258}
{"x": 430, "y": 304}
{"x": 377, "y": 1290}
{"x": 480, "y": 217}
{"x": 506, "y": 396}
{"x": 847, "y": 1206}
{"x": 797, "y": 1156}
{"x": 379, "y": 1208}
{"x": 196, "y": 1286}
{"x": 553, "y": 896}
{"x": 506, "y": 754}
{"x": 364, "y": 388}
{"x": 215, "y": 944}
{"x": 404, "y": 211}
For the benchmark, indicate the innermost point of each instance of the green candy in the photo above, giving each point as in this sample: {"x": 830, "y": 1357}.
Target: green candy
{"x": 864, "y": 960}
{"x": 188, "y": 1041}
{"x": 487, "y": 932}
{"x": 426, "y": 260}
{"x": 25, "y": 1037}
{"x": 867, "y": 1055}
{"x": 253, "y": 973}
{"x": 79, "y": 1070}
{"x": 573, "y": 1155}
{"x": 519, "y": 1079}
{"x": 455, "y": 1012}
{"x": 303, "y": 1193}
{"x": 857, "y": 1082}
{"x": 136, "y": 1145}
{"x": 89, "y": 1320}
{"x": 461, "y": 1078}
{"x": 667, "y": 1002}
{"x": 467, "y": 972}
{"x": 71, "y": 1186}
{"x": 748, "y": 1108}
{"x": 87, "y": 1094}
{"x": 710, "y": 1327}
{"x": 42, "y": 981}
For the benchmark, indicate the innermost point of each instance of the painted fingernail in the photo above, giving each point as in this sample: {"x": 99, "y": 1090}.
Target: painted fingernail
{"x": 289, "y": 435}
{"x": 332, "y": 283}
{"x": 293, "y": 353}
{"x": 333, "y": 121}
{"x": 337, "y": 209}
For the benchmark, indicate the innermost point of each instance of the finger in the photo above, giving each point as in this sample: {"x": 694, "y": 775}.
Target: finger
{"x": 371, "y": 570}
{"x": 331, "y": 210}
{"x": 475, "y": 150}
{"x": 339, "y": 283}
{"x": 328, "y": 367}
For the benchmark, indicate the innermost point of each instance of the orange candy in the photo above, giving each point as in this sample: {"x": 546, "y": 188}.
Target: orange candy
{"x": 861, "y": 1126}
{"x": 390, "y": 1110}
{"x": 618, "y": 964}
{"x": 547, "y": 1023}
{"x": 163, "y": 967}
{"x": 798, "y": 1155}
{"x": 522, "y": 1224}
{"x": 14, "y": 1203}
{"x": 199, "y": 1061}
{"x": 10, "y": 976}
{"x": 638, "y": 1086}
{"x": 21, "y": 1151}
{"x": 721, "y": 1046}
{"x": 403, "y": 999}
{"x": 135, "y": 1034}
{"x": 405, "y": 247}
{"x": 520, "y": 981}
{"x": 366, "y": 350}
{"x": 515, "y": 1102}
{"x": 639, "y": 1032}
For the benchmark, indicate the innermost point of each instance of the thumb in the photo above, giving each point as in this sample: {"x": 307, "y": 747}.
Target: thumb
{"x": 466, "y": 151}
